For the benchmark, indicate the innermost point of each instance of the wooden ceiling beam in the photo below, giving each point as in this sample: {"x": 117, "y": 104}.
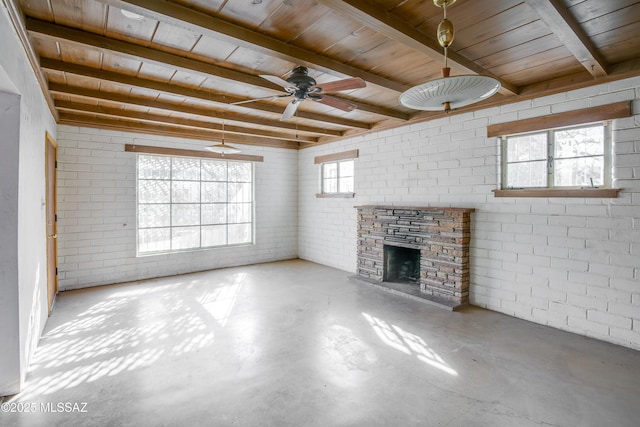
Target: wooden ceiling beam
{"x": 231, "y": 133}
{"x": 560, "y": 21}
{"x": 130, "y": 125}
{"x": 396, "y": 29}
{"x": 376, "y": 109}
{"x": 619, "y": 71}
{"x": 84, "y": 71}
{"x": 179, "y": 108}
{"x": 16, "y": 17}
{"x": 183, "y": 17}
{"x": 136, "y": 52}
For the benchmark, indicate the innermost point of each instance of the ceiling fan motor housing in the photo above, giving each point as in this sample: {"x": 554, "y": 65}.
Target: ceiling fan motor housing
{"x": 300, "y": 79}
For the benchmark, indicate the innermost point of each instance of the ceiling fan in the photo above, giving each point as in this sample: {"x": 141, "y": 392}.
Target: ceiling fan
{"x": 301, "y": 86}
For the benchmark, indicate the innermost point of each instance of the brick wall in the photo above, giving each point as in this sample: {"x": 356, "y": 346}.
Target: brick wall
{"x": 573, "y": 264}
{"x": 97, "y": 211}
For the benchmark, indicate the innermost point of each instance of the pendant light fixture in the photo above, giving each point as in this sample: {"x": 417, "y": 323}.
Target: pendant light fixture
{"x": 223, "y": 148}
{"x": 449, "y": 92}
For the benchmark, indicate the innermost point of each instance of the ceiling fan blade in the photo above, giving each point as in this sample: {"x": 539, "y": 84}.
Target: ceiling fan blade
{"x": 277, "y": 80}
{"x": 338, "y": 85}
{"x": 252, "y": 100}
{"x": 260, "y": 99}
{"x": 290, "y": 110}
{"x": 335, "y": 102}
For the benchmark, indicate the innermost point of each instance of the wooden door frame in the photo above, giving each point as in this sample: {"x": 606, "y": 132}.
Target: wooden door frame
{"x": 51, "y": 198}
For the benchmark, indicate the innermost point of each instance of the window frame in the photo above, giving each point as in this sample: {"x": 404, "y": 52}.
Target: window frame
{"x": 337, "y": 159}
{"x": 550, "y": 160}
{"x": 171, "y": 204}
{"x": 339, "y": 177}
{"x": 600, "y": 113}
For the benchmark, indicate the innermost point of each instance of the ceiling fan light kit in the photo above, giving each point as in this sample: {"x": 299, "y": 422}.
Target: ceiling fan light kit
{"x": 448, "y": 92}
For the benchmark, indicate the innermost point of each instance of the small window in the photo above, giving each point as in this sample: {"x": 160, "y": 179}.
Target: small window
{"x": 574, "y": 157}
{"x": 337, "y": 174}
{"x": 191, "y": 203}
{"x": 337, "y": 177}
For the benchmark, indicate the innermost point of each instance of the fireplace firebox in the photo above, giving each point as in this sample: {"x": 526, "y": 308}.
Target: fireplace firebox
{"x": 401, "y": 265}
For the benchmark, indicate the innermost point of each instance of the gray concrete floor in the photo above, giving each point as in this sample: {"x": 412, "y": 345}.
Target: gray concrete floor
{"x": 297, "y": 344}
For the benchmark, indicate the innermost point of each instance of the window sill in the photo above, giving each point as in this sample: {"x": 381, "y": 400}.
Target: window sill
{"x": 335, "y": 195}
{"x": 611, "y": 193}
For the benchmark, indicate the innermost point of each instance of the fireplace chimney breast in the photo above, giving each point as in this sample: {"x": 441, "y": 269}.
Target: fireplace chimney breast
{"x": 441, "y": 237}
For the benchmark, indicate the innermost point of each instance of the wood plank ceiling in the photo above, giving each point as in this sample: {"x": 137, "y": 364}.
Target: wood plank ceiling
{"x": 179, "y": 67}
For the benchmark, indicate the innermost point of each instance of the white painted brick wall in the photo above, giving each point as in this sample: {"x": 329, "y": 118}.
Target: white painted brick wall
{"x": 97, "y": 211}
{"x": 572, "y": 264}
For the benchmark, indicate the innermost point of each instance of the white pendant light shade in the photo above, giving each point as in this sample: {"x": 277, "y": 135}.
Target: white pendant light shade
{"x": 223, "y": 149}
{"x": 449, "y": 92}
{"x": 132, "y": 15}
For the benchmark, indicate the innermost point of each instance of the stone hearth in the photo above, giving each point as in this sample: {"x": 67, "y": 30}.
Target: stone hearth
{"x": 440, "y": 234}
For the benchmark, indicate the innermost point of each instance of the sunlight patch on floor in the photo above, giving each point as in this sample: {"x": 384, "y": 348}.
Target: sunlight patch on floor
{"x": 219, "y": 301}
{"x": 128, "y": 330}
{"x": 408, "y": 343}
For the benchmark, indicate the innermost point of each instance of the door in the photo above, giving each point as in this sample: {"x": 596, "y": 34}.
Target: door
{"x": 52, "y": 218}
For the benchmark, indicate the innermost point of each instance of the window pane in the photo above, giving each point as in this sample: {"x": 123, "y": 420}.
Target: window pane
{"x": 185, "y": 214}
{"x": 188, "y": 203}
{"x": 214, "y": 235}
{"x": 214, "y": 192}
{"x": 154, "y": 167}
{"x": 530, "y": 174}
{"x": 185, "y": 237}
{"x": 579, "y": 142}
{"x": 239, "y": 192}
{"x": 185, "y": 169}
{"x": 346, "y": 168}
{"x": 214, "y": 213}
{"x": 239, "y": 172}
{"x": 153, "y": 191}
{"x": 330, "y": 185}
{"x": 346, "y": 185}
{"x": 154, "y": 239}
{"x": 239, "y": 212}
{"x": 154, "y": 215}
{"x": 214, "y": 170}
{"x": 579, "y": 172}
{"x": 239, "y": 233}
{"x": 527, "y": 147}
{"x": 185, "y": 192}
{"x": 330, "y": 170}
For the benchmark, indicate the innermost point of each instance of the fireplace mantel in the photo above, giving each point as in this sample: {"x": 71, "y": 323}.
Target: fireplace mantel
{"x": 442, "y": 235}
{"x": 416, "y": 208}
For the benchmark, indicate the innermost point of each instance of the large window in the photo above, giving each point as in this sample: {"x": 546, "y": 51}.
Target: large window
{"x": 190, "y": 203}
{"x": 574, "y": 157}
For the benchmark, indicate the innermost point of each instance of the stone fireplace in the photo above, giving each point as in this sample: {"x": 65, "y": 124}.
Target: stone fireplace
{"x": 419, "y": 251}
